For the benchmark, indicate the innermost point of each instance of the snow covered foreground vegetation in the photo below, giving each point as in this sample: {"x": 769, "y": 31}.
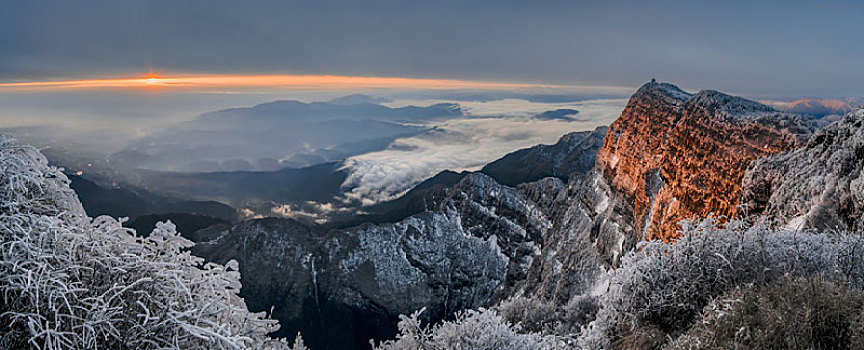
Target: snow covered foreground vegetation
{"x": 68, "y": 281}
{"x": 732, "y": 286}
{"x": 664, "y": 289}
{"x": 72, "y": 282}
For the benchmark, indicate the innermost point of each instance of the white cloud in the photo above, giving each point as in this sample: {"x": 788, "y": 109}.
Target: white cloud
{"x": 512, "y": 107}
{"x": 311, "y": 210}
{"x": 492, "y": 130}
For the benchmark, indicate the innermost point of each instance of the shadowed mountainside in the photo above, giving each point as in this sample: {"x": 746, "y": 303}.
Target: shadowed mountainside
{"x": 573, "y": 153}
{"x": 132, "y": 202}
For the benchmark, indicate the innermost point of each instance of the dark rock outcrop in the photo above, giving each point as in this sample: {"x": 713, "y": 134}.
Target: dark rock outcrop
{"x": 573, "y": 153}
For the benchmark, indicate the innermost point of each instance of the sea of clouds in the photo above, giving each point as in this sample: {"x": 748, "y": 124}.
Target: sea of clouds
{"x": 489, "y": 131}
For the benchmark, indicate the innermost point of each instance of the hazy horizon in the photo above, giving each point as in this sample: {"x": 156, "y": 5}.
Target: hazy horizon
{"x": 767, "y": 47}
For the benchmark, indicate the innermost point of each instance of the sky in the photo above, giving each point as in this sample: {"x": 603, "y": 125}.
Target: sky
{"x": 770, "y": 48}
{"x": 95, "y": 76}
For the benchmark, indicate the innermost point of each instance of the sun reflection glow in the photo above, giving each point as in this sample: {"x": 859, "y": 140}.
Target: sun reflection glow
{"x": 271, "y": 81}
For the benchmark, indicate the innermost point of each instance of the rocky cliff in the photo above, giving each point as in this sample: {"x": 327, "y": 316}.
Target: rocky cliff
{"x": 818, "y": 186}
{"x": 673, "y": 156}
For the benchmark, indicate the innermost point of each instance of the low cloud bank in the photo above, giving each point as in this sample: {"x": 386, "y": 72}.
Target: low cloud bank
{"x": 491, "y": 130}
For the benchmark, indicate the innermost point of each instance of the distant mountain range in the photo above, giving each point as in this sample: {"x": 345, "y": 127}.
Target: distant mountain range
{"x": 816, "y": 107}
{"x": 285, "y": 133}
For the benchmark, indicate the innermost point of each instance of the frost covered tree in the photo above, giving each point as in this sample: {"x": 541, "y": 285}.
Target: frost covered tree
{"x": 68, "y": 281}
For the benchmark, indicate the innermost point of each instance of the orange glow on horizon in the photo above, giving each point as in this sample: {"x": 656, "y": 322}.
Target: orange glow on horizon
{"x": 273, "y": 81}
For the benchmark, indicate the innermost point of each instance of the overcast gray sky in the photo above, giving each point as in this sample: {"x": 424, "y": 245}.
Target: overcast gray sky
{"x": 748, "y": 47}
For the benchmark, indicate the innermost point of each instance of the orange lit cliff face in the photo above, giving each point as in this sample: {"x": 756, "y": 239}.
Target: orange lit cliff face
{"x": 675, "y": 156}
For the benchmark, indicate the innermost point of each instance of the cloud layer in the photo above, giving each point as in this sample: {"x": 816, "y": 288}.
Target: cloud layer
{"x": 492, "y": 130}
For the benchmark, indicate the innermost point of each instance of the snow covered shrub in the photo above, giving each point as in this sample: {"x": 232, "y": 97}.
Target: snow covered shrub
{"x": 531, "y": 314}
{"x": 798, "y": 313}
{"x": 662, "y": 287}
{"x": 578, "y": 312}
{"x": 482, "y": 329}
{"x": 545, "y": 317}
{"x": 71, "y": 282}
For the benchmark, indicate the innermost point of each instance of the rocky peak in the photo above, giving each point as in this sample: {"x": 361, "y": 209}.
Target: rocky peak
{"x": 672, "y": 155}
{"x": 663, "y": 91}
